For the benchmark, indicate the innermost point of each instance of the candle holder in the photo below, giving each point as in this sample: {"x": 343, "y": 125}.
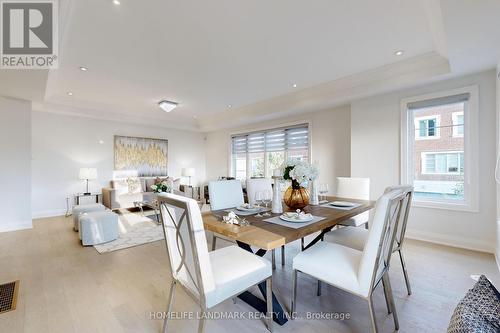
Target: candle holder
{"x": 277, "y": 207}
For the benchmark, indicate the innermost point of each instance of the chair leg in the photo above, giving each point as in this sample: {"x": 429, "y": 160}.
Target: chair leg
{"x": 405, "y": 271}
{"x": 294, "y": 293}
{"x": 389, "y": 310}
{"x": 214, "y": 242}
{"x": 169, "y": 304}
{"x": 366, "y": 225}
{"x": 269, "y": 300}
{"x": 273, "y": 255}
{"x": 391, "y": 300}
{"x": 302, "y": 244}
{"x": 372, "y": 314}
{"x": 201, "y": 324}
{"x": 282, "y": 255}
{"x": 318, "y": 292}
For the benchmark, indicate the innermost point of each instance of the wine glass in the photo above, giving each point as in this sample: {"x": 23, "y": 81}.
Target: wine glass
{"x": 323, "y": 189}
{"x": 267, "y": 199}
{"x": 259, "y": 197}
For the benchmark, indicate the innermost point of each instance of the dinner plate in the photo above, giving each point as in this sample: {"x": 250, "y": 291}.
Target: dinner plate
{"x": 296, "y": 220}
{"x": 342, "y": 204}
{"x": 245, "y": 209}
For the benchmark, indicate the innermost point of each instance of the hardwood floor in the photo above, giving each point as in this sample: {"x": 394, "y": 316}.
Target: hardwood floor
{"x": 67, "y": 288}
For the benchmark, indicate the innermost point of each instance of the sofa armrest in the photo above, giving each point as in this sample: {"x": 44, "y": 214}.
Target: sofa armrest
{"x": 109, "y": 198}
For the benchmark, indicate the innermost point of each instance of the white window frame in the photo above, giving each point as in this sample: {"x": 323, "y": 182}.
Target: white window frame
{"x": 263, "y": 129}
{"x": 471, "y": 149}
{"x": 454, "y": 118}
{"x": 437, "y": 129}
{"x": 424, "y": 168}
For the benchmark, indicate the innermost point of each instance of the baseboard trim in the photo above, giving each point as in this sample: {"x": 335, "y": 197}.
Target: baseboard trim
{"x": 460, "y": 242}
{"x": 16, "y": 226}
{"x": 48, "y": 213}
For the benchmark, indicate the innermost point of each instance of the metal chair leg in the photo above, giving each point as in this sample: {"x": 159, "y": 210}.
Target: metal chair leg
{"x": 318, "y": 292}
{"x": 294, "y": 293}
{"x": 372, "y": 314}
{"x": 273, "y": 256}
{"x": 389, "y": 311}
{"x": 214, "y": 241}
{"x": 302, "y": 244}
{"x": 282, "y": 255}
{"x": 405, "y": 271}
{"x": 269, "y": 300}
{"x": 201, "y": 325}
{"x": 391, "y": 300}
{"x": 169, "y": 304}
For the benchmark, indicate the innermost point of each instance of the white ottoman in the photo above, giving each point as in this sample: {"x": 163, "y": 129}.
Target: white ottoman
{"x": 80, "y": 209}
{"x": 98, "y": 227}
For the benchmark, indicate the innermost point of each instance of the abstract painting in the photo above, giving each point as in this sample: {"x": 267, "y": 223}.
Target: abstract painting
{"x": 148, "y": 157}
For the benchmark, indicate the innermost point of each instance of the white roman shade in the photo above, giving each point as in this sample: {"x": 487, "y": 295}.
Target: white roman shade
{"x": 279, "y": 139}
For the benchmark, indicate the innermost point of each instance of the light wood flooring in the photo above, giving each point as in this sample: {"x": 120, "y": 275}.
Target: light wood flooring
{"x": 67, "y": 288}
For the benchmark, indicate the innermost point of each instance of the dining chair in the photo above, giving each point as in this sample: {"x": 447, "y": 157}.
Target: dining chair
{"x": 354, "y": 271}
{"x": 356, "y": 237}
{"x": 354, "y": 188}
{"x": 255, "y": 185}
{"x": 208, "y": 277}
{"x": 224, "y": 194}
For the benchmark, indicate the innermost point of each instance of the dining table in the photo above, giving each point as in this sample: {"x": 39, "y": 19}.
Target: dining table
{"x": 265, "y": 236}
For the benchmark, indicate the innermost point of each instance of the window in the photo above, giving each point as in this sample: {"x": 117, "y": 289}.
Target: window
{"x": 257, "y": 154}
{"x": 443, "y": 163}
{"x": 458, "y": 124}
{"x": 439, "y": 141}
{"x": 427, "y": 127}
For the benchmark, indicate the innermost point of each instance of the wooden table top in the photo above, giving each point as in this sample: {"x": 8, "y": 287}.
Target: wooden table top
{"x": 268, "y": 236}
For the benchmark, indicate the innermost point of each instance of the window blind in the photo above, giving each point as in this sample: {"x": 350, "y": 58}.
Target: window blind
{"x": 280, "y": 139}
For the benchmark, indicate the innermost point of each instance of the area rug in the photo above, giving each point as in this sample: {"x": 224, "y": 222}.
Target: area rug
{"x": 133, "y": 229}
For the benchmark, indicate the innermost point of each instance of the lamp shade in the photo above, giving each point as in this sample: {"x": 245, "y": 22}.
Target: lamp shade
{"x": 188, "y": 172}
{"x": 88, "y": 173}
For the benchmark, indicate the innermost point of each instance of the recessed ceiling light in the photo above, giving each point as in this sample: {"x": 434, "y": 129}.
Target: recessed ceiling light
{"x": 295, "y": 85}
{"x": 167, "y": 106}
{"x": 101, "y": 142}
{"x": 84, "y": 69}
{"x": 116, "y": 2}
{"x": 70, "y": 93}
{"x": 399, "y": 53}
{"x": 230, "y": 106}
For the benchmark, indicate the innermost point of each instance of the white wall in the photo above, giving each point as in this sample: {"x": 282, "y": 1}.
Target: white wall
{"x": 330, "y": 140}
{"x": 498, "y": 152}
{"x": 375, "y": 153}
{"x": 15, "y": 164}
{"x": 62, "y": 144}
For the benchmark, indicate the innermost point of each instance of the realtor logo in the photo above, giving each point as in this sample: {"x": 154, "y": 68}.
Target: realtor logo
{"x": 29, "y": 34}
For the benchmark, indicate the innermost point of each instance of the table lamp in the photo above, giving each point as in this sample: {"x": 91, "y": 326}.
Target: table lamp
{"x": 88, "y": 174}
{"x": 188, "y": 172}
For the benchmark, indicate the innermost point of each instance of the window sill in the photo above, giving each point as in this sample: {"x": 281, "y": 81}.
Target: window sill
{"x": 463, "y": 207}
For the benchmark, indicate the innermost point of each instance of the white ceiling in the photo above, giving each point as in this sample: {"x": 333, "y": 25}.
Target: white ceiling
{"x": 208, "y": 54}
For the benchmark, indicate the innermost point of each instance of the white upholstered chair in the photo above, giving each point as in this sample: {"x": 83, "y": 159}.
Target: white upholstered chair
{"x": 357, "y": 272}
{"x": 208, "y": 277}
{"x": 355, "y": 188}
{"x": 356, "y": 237}
{"x": 224, "y": 194}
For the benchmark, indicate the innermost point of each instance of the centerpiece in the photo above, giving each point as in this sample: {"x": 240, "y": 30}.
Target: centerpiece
{"x": 300, "y": 173}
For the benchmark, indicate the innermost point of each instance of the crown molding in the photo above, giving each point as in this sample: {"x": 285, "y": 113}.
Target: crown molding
{"x": 392, "y": 77}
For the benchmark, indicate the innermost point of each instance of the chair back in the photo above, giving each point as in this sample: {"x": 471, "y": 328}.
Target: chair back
{"x": 225, "y": 194}
{"x": 405, "y": 211}
{"x": 186, "y": 245}
{"x": 378, "y": 248}
{"x": 255, "y": 185}
{"x": 353, "y": 188}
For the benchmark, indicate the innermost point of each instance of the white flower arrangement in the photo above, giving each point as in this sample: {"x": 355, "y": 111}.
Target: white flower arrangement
{"x": 299, "y": 172}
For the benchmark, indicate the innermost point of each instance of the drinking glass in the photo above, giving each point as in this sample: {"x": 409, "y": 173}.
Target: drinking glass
{"x": 267, "y": 198}
{"x": 259, "y": 197}
{"x": 323, "y": 189}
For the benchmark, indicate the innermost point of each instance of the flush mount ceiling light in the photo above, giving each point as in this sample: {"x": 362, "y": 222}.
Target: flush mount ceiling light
{"x": 167, "y": 106}
{"x": 399, "y": 53}
{"x": 295, "y": 85}
{"x": 84, "y": 69}
{"x": 229, "y": 105}
{"x": 70, "y": 93}
{"x": 116, "y": 2}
